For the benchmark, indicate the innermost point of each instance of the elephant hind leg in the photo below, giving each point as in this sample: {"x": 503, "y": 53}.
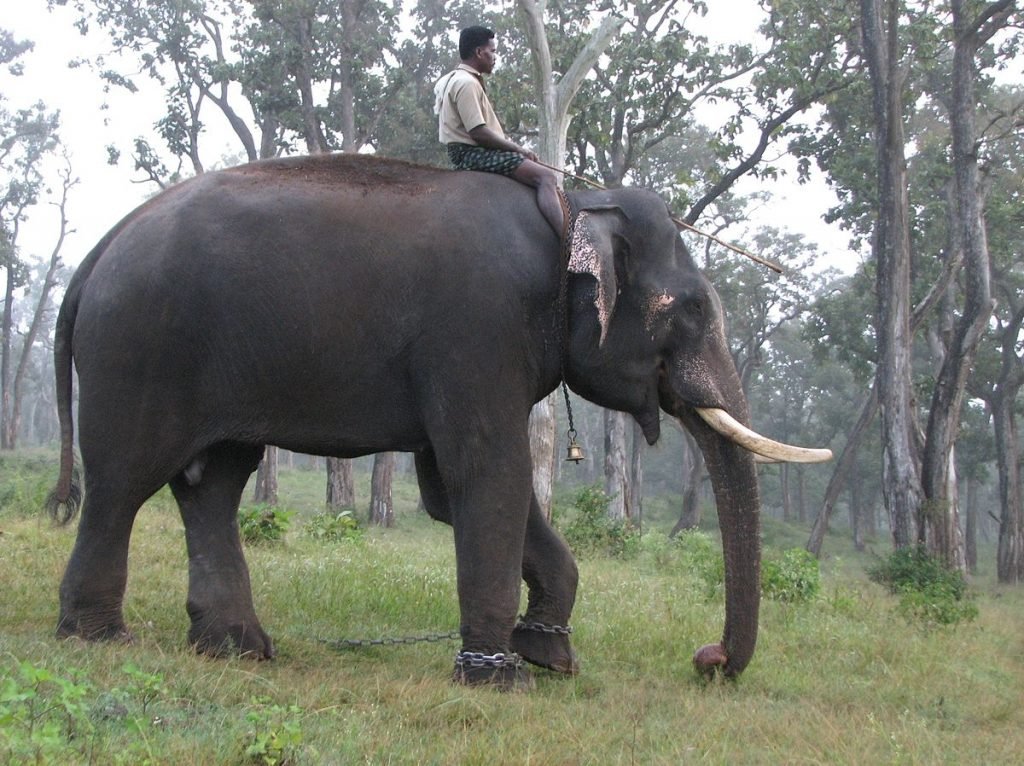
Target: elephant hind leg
{"x": 220, "y": 605}
{"x": 92, "y": 590}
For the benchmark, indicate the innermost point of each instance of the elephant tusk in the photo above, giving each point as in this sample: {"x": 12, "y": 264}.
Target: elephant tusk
{"x": 726, "y": 425}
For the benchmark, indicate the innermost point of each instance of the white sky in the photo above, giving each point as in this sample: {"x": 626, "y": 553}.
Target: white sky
{"x": 107, "y": 193}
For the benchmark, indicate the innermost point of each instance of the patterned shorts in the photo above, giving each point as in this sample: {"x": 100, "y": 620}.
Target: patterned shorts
{"x": 466, "y": 157}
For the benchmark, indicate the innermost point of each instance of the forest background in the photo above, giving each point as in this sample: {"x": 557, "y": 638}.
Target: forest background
{"x": 911, "y": 112}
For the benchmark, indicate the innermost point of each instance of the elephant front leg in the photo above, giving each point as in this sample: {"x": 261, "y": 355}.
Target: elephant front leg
{"x": 542, "y": 636}
{"x": 220, "y": 603}
{"x": 489, "y": 518}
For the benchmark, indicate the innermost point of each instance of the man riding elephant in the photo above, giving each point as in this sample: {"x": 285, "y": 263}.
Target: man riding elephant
{"x": 470, "y": 129}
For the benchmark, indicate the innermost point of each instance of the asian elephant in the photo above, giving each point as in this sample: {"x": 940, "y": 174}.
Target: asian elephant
{"x": 346, "y": 305}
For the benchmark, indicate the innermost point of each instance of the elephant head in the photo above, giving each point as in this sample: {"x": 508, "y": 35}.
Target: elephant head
{"x": 647, "y": 334}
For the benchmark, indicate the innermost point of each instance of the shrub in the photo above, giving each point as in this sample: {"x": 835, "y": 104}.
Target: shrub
{"x": 592, "y": 531}
{"x": 796, "y": 577}
{"x": 43, "y": 715}
{"x": 704, "y": 559}
{"x": 329, "y": 527}
{"x": 263, "y": 523}
{"x": 27, "y": 479}
{"x": 929, "y": 590}
{"x": 275, "y": 734}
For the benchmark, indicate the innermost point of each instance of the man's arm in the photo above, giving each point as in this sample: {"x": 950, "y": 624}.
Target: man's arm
{"x": 488, "y": 139}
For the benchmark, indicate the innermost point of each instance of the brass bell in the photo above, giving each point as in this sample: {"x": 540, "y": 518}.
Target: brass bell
{"x": 575, "y": 454}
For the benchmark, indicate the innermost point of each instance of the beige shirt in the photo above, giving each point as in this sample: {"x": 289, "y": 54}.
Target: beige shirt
{"x": 461, "y": 104}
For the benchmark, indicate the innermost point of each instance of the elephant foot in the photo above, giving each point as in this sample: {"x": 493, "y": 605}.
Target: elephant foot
{"x": 92, "y": 627}
{"x": 243, "y": 639}
{"x": 546, "y": 646}
{"x": 710, "y": 659}
{"x": 504, "y": 672}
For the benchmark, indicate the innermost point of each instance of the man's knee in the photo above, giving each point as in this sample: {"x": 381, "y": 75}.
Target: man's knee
{"x": 532, "y": 174}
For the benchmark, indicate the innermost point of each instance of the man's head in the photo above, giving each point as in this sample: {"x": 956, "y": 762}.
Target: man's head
{"x": 477, "y": 48}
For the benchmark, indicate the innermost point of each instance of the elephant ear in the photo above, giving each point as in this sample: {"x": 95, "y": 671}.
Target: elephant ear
{"x": 592, "y": 251}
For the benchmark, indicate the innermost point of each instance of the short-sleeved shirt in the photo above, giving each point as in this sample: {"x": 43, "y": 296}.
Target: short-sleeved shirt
{"x": 462, "y": 104}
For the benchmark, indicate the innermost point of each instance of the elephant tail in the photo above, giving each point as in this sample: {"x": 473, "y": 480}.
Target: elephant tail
{"x": 63, "y": 502}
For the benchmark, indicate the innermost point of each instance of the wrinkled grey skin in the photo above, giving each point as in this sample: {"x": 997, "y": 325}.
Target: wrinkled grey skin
{"x": 348, "y": 305}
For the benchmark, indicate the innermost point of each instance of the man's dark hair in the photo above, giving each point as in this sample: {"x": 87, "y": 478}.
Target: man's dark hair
{"x": 472, "y": 38}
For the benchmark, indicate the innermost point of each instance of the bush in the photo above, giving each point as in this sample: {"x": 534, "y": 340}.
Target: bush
{"x": 329, "y": 527}
{"x": 592, "y": 532}
{"x": 795, "y": 578}
{"x": 43, "y": 714}
{"x": 263, "y": 523}
{"x": 929, "y": 590}
{"x": 27, "y": 480}
{"x": 275, "y": 734}
{"x": 704, "y": 559}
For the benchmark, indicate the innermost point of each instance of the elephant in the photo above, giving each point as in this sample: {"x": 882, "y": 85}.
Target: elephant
{"x": 347, "y": 305}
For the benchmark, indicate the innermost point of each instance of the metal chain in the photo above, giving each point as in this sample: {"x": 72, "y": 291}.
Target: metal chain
{"x": 540, "y": 627}
{"x": 360, "y": 643}
{"x": 563, "y": 302}
{"x": 466, "y": 660}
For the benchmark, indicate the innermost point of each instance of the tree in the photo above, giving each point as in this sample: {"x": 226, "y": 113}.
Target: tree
{"x": 880, "y": 25}
{"x": 554, "y": 96}
{"x": 382, "y": 506}
{"x": 973, "y": 26}
{"x": 341, "y": 488}
{"x": 27, "y": 138}
{"x": 12, "y": 420}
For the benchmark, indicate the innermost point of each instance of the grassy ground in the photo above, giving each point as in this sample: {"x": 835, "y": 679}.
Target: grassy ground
{"x": 842, "y": 679}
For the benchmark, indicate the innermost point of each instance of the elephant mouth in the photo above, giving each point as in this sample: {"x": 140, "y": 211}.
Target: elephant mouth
{"x": 765, "y": 450}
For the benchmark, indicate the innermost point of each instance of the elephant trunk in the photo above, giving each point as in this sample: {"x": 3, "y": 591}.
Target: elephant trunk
{"x": 734, "y": 480}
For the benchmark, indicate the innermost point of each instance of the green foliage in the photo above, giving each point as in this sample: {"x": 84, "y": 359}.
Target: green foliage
{"x": 27, "y": 478}
{"x": 795, "y": 577}
{"x": 929, "y": 591}
{"x": 334, "y": 527}
{"x": 41, "y": 712}
{"x": 827, "y": 668}
{"x": 145, "y": 687}
{"x": 591, "y": 531}
{"x": 704, "y": 559}
{"x": 275, "y": 733}
{"x": 263, "y": 523}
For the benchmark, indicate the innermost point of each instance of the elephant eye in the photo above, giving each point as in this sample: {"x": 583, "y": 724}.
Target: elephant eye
{"x": 693, "y": 307}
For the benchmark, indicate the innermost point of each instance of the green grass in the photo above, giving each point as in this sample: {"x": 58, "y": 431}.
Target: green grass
{"x": 841, "y": 679}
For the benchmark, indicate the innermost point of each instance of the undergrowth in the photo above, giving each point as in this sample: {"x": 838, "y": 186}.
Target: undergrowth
{"x": 928, "y": 590}
{"x": 835, "y": 679}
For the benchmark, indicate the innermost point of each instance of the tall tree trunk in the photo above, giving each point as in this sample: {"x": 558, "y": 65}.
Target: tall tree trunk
{"x": 553, "y": 100}
{"x": 6, "y": 360}
{"x": 693, "y": 471}
{"x": 382, "y": 506}
{"x": 341, "y": 487}
{"x": 971, "y": 526}
{"x": 787, "y": 500}
{"x": 857, "y": 517}
{"x": 266, "y": 478}
{"x": 844, "y": 466}
{"x": 968, "y": 236}
{"x": 900, "y": 460}
{"x": 542, "y": 449}
{"x": 635, "y": 504}
{"x": 615, "y": 469}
